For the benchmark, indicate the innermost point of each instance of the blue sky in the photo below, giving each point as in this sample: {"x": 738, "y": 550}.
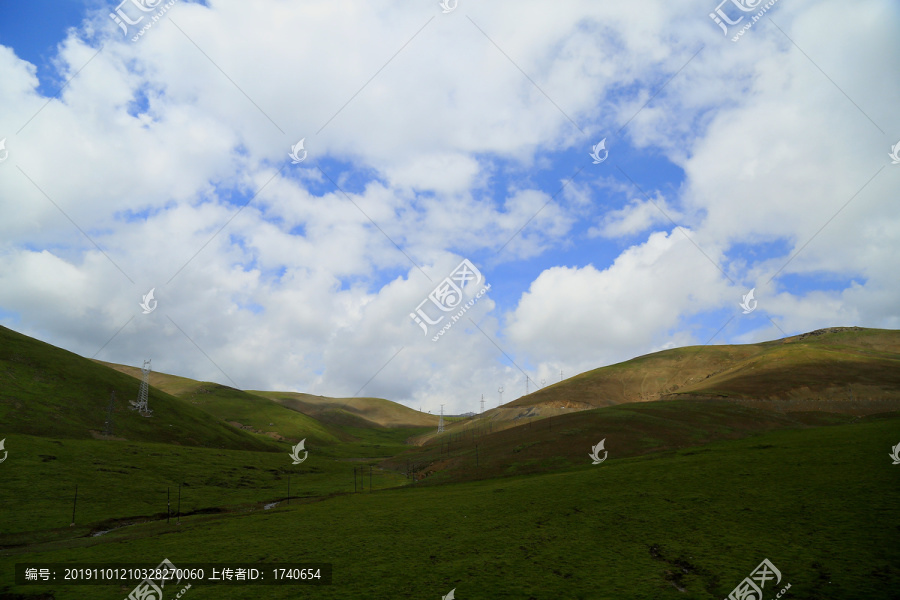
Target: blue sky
{"x": 164, "y": 165}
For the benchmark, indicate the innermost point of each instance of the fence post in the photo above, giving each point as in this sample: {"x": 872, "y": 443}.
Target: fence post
{"x": 73, "y": 506}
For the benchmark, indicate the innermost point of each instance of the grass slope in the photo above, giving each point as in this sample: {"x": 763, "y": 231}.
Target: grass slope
{"x": 51, "y": 392}
{"x": 818, "y": 503}
{"x": 817, "y": 369}
{"x": 359, "y": 412}
{"x": 562, "y": 442}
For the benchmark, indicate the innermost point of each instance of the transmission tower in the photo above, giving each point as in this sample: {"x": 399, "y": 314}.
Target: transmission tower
{"x": 441, "y": 422}
{"x": 482, "y": 404}
{"x": 108, "y": 428}
{"x": 143, "y": 394}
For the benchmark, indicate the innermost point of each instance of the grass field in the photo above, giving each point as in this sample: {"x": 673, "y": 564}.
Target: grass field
{"x": 695, "y": 493}
{"x": 819, "y": 503}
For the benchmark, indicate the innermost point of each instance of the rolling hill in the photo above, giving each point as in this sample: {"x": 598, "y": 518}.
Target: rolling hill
{"x": 320, "y": 417}
{"x": 841, "y": 369}
{"x": 47, "y": 391}
{"x": 356, "y": 412}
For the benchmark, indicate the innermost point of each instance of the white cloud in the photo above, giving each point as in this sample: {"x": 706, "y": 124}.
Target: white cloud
{"x": 301, "y": 290}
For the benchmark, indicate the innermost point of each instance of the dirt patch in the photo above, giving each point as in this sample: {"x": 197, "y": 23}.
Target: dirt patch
{"x": 98, "y": 435}
{"x": 272, "y": 434}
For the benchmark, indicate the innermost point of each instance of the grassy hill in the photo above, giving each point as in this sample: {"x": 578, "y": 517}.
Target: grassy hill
{"x": 50, "y": 392}
{"x": 356, "y": 412}
{"x": 538, "y": 445}
{"x": 848, "y": 369}
{"x": 696, "y": 490}
{"x": 340, "y": 412}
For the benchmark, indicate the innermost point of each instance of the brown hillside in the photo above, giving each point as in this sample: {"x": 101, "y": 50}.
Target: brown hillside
{"x": 847, "y": 369}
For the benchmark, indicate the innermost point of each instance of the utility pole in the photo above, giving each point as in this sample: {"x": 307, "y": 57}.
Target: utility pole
{"x": 482, "y": 404}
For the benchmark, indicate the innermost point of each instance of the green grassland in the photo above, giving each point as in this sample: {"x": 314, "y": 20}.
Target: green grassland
{"x": 696, "y": 491}
{"x": 560, "y": 442}
{"x": 819, "y": 503}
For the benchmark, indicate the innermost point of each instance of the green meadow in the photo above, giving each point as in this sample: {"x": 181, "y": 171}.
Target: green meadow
{"x": 819, "y": 503}
{"x": 693, "y": 494}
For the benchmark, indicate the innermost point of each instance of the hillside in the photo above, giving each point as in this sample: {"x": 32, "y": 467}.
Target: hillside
{"x": 241, "y": 409}
{"x": 353, "y": 412}
{"x": 842, "y": 369}
{"x": 48, "y": 391}
{"x": 315, "y": 412}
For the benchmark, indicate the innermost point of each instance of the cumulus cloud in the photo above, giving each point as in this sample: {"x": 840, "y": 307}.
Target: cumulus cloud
{"x": 431, "y": 138}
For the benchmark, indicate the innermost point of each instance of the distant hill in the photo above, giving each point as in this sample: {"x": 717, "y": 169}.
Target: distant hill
{"x": 353, "y": 412}
{"x": 338, "y": 412}
{"x": 840, "y": 369}
{"x": 48, "y": 391}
